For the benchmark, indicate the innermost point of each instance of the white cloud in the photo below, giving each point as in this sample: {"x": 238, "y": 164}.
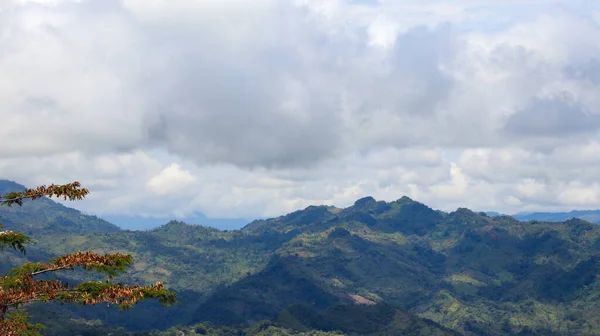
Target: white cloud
{"x": 383, "y": 32}
{"x": 580, "y": 195}
{"x": 268, "y": 106}
{"x": 171, "y": 180}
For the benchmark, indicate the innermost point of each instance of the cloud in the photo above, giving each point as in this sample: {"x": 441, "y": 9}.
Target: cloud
{"x": 170, "y": 180}
{"x": 291, "y": 110}
{"x": 254, "y": 108}
{"x": 554, "y": 116}
{"x": 70, "y": 77}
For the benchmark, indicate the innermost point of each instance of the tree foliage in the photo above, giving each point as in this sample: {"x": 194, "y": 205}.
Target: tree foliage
{"x": 23, "y": 286}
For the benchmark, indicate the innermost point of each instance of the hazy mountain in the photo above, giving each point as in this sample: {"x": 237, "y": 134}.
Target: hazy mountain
{"x": 410, "y": 269}
{"x": 588, "y": 215}
{"x": 147, "y": 223}
{"x": 592, "y": 216}
{"x": 106, "y": 223}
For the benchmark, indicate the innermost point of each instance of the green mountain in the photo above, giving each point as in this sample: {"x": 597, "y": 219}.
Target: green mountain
{"x": 46, "y": 216}
{"x": 375, "y": 268}
{"x": 466, "y": 271}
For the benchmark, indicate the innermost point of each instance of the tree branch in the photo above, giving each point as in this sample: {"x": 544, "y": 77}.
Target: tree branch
{"x": 70, "y": 191}
{"x": 57, "y": 268}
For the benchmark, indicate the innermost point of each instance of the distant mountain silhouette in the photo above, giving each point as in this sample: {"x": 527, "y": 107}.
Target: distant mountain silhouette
{"x": 592, "y": 216}
{"x": 148, "y": 223}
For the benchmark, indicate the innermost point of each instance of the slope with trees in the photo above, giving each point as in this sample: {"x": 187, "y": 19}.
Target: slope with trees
{"x": 464, "y": 271}
{"x": 29, "y": 283}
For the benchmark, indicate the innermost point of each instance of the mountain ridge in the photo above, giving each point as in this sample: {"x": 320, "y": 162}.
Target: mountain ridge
{"x": 588, "y": 215}
{"x": 47, "y": 215}
{"x": 465, "y": 271}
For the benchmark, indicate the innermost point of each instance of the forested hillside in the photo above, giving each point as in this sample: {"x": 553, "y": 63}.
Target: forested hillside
{"x": 375, "y": 268}
{"x": 46, "y": 216}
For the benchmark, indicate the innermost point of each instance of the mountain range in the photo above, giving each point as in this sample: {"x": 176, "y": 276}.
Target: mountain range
{"x": 147, "y": 223}
{"x": 588, "y": 215}
{"x": 138, "y": 222}
{"x": 374, "y": 268}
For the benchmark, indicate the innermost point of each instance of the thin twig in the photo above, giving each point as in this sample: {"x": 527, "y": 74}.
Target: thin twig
{"x": 57, "y": 268}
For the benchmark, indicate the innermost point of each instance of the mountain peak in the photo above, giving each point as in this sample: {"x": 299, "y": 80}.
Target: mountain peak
{"x": 365, "y": 201}
{"x": 182, "y": 230}
{"x": 464, "y": 213}
{"x": 7, "y": 186}
{"x": 405, "y": 200}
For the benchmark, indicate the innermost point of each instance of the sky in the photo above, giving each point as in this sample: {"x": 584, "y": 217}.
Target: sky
{"x": 256, "y": 108}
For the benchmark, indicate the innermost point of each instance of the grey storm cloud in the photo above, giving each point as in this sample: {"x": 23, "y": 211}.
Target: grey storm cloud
{"x": 217, "y": 114}
{"x": 284, "y": 105}
{"x": 586, "y": 72}
{"x": 417, "y": 60}
{"x": 555, "y": 116}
